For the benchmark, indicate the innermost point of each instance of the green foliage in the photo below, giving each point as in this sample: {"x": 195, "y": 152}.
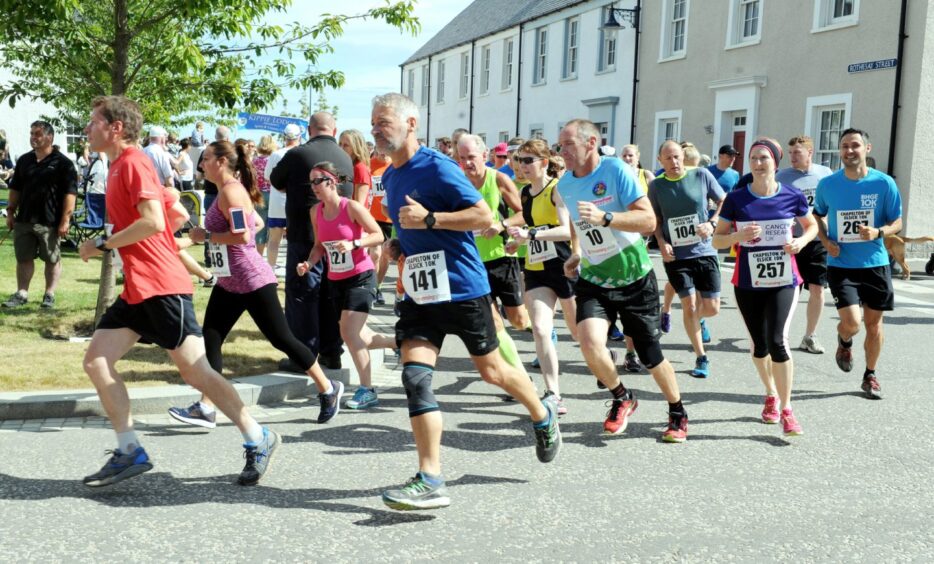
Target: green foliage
{"x": 179, "y": 59}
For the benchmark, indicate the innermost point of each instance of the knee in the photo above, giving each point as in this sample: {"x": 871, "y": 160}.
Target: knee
{"x": 849, "y": 326}
{"x": 590, "y": 347}
{"x": 95, "y": 366}
{"x": 416, "y": 379}
{"x": 779, "y": 352}
{"x": 874, "y": 329}
{"x": 712, "y": 308}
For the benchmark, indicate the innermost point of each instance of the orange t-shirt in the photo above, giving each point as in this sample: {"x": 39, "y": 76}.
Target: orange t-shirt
{"x": 150, "y": 267}
{"x": 377, "y": 168}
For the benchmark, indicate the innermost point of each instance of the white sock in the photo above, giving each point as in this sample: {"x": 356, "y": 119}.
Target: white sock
{"x": 330, "y": 389}
{"x": 127, "y": 441}
{"x": 253, "y": 433}
{"x": 206, "y": 408}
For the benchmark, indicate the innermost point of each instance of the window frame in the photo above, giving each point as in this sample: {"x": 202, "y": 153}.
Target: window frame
{"x": 815, "y": 108}
{"x": 603, "y": 46}
{"x": 426, "y": 76}
{"x": 486, "y": 64}
{"x": 736, "y": 25}
{"x": 439, "y": 95}
{"x": 666, "y": 51}
{"x": 410, "y": 89}
{"x": 464, "y": 83}
{"x": 571, "y": 62}
{"x": 540, "y": 57}
{"x": 509, "y": 59}
{"x": 662, "y": 118}
{"x": 824, "y": 19}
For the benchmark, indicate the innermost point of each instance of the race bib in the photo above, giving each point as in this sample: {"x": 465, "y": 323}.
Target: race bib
{"x": 338, "y": 261}
{"x": 377, "y": 190}
{"x": 118, "y": 260}
{"x": 218, "y": 262}
{"x": 541, "y": 251}
{"x": 849, "y": 222}
{"x": 770, "y": 269}
{"x": 775, "y": 232}
{"x": 809, "y": 193}
{"x": 683, "y": 230}
{"x": 425, "y": 278}
{"x": 597, "y": 243}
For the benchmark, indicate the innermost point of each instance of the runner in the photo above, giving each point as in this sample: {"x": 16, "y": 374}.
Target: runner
{"x": 380, "y": 253}
{"x": 616, "y": 279}
{"x": 861, "y": 205}
{"x": 245, "y": 281}
{"x": 155, "y": 305}
{"x": 679, "y": 199}
{"x": 343, "y": 230}
{"x": 546, "y": 230}
{"x": 766, "y": 278}
{"x": 434, "y": 207}
{"x": 812, "y": 260}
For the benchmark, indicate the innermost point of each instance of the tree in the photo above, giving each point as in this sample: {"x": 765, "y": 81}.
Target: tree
{"x": 181, "y": 60}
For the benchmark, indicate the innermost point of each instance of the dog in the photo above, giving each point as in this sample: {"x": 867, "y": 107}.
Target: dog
{"x": 895, "y": 246}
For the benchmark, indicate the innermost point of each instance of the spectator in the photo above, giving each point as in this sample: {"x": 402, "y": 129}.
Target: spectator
{"x": 352, "y": 142}
{"x": 6, "y": 167}
{"x": 276, "y": 212}
{"x": 197, "y": 136}
{"x": 184, "y": 166}
{"x": 266, "y": 147}
{"x": 222, "y": 133}
{"x": 161, "y": 160}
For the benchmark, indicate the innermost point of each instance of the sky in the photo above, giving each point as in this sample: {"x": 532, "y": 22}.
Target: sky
{"x": 369, "y": 53}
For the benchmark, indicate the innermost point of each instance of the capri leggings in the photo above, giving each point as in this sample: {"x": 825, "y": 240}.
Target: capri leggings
{"x": 225, "y": 308}
{"x": 767, "y": 314}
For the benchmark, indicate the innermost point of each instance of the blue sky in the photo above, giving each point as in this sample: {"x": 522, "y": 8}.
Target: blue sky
{"x": 369, "y": 54}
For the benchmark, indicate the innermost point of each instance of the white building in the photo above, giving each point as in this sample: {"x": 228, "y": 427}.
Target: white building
{"x": 523, "y": 68}
{"x": 15, "y": 121}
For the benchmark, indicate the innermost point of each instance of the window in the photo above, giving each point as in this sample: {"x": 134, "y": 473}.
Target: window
{"x": 606, "y": 59}
{"x": 674, "y": 29}
{"x": 503, "y": 136}
{"x": 833, "y": 14}
{"x": 571, "y": 47}
{"x": 604, "y": 129}
{"x": 425, "y": 77}
{"x": 410, "y": 92}
{"x": 465, "y": 74}
{"x": 536, "y": 133}
{"x": 508, "y": 57}
{"x": 485, "y": 57}
{"x": 825, "y": 118}
{"x": 667, "y": 126}
{"x": 482, "y": 137}
{"x": 744, "y": 23}
{"x": 541, "y": 56}
{"x": 440, "y": 94}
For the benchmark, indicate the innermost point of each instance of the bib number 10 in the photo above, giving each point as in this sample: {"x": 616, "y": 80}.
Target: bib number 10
{"x": 594, "y": 236}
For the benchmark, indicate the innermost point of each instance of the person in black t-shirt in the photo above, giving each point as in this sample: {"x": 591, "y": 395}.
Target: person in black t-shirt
{"x": 42, "y": 198}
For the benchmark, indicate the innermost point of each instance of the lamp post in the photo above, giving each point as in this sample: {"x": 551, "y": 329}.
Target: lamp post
{"x": 612, "y": 25}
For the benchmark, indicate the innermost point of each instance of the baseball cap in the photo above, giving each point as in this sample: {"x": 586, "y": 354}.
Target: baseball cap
{"x": 607, "y": 150}
{"x": 728, "y": 150}
{"x": 501, "y": 149}
{"x": 292, "y": 131}
{"x": 156, "y": 131}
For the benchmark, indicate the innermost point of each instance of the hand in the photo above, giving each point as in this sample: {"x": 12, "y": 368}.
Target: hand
{"x": 668, "y": 252}
{"x": 519, "y": 234}
{"x": 9, "y": 221}
{"x": 704, "y": 230}
{"x": 590, "y": 213}
{"x": 511, "y": 246}
{"x": 63, "y": 229}
{"x": 342, "y": 246}
{"x": 833, "y": 249}
{"x": 302, "y": 268}
{"x": 490, "y": 232}
{"x": 196, "y": 234}
{"x": 88, "y": 249}
{"x": 571, "y": 265}
{"x": 794, "y": 246}
{"x": 412, "y": 215}
{"x": 867, "y": 233}
{"x": 749, "y": 232}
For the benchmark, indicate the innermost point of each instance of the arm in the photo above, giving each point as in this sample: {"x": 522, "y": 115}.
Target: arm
{"x": 833, "y": 249}
{"x": 360, "y": 193}
{"x": 317, "y": 251}
{"x": 11, "y": 206}
{"x": 150, "y": 222}
{"x": 638, "y": 218}
{"x": 810, "y": 231}
{"x": 68, "y": 208}
{"x": 723, "y": 239}
{"x": 509, "y": 192}
{"x": 361, "y": 216}
{"x": 869, "y": 233}
{"x": 477, "y": 216}
{"x": 278, "y": 176}
{"x": 230, "y": 196}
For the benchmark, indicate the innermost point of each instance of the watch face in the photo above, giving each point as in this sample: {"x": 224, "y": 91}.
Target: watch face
{"x": 607, "y": 218}
{"x": 430, "y": 220}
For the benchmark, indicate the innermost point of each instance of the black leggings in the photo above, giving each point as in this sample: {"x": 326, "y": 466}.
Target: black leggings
{"x": 225, "y": 308}
{"x": 767, "y": 314}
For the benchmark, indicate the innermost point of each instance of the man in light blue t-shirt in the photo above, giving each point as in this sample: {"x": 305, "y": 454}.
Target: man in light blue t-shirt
{"x": 723, "y": 170}
{"x": 857, "y": 207}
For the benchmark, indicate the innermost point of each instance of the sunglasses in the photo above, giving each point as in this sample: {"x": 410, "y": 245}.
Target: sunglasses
{"x": 501, "y": 156}
{"x": 320, "y": 180}
{"x": 527, "y": 160}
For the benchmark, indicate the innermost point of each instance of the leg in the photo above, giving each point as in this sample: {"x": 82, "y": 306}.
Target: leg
{"x": 592, "y": 338}
{"x": 751, "y": 307}
{"x": 518, "y": 317}
{"x": 815, "y": 307}
{"x": 690, "y": 314}
{"x": 850, "y": 318}
{"x": 24, "y": 272}
{"x": 494, "y": 370}
{"x": 352, "y": 325}
{"x": 779, "y": 313}
{"x": 541, "y": 304}
{"x": 874, "y": 336}
{"x": 53, "y": 271}
{"x": 272, "y": 249}
{"x": 569, "y": 309}
{"x": 669, "y": 297}
{"x": 106, "y": 348}
{"x": 427, "y": 426}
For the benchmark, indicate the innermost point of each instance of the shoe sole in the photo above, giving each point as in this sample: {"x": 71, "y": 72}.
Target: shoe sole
{"x": 625, "y": 421}
{"x": 272, "y": 452}
{"x": 770, "y": 422}
{"x": 362, "y": 406}
{"x": 670, "y": 439}
{"x": 873, "y": 394}
{"x": 337, "y": 403}
{"x": 810, "y": 350}
{"x": 130, "y": 472}
{"x": 700, "y": 375}
{"x": 793, "y": 433}
{"x": 436, "y": 503}
{"x": 194, "y": 422}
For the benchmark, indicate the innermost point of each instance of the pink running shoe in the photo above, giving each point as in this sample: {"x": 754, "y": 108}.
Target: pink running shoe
{"x": 770, "y": 414}
{"x": 790, "y": 425}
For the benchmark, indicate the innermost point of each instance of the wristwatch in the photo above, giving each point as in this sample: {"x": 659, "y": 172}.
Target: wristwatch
{"x": 100, "y": 243}
{"x": 356, "y": 243}
{"x": 533, "y": 233}
{"x": 607, "y": 218}
{"x": 713, "y": 222}
{"x": 207, "y": 236}
{"x": 430, "y": 220}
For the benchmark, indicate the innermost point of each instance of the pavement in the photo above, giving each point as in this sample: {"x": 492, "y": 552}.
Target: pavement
{"x": 855, "y": 487}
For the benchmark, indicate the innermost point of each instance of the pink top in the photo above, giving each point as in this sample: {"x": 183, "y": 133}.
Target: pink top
{"x": 342, "y": 228}
{"x": 248, "y": 270}
{"x": 259, "y": 164}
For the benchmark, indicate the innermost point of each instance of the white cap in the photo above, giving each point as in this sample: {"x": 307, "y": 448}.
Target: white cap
{"x": 156, "y": 131}
{"x": 292, "y": 131}
{"x": 607, "y": 150}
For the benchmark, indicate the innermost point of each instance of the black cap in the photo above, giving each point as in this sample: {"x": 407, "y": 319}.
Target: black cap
{"x": 728, "y": 150}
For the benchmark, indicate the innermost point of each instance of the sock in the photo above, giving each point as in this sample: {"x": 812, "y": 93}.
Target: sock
{"x": 544, "y": 422}
{"x": 127, "y": 441}
{"x": 619, "y": 392}
{"x": 869, "y": 372}
{"x": 433, "y": 480}
{"x": 844, "y": 344}
{"x": 676, "y": 408}
{"x": 253, "y": 435}
{"x": 507, "y": 350}
{"x": 330, "y": 389}
{"x": 206, "y": 408}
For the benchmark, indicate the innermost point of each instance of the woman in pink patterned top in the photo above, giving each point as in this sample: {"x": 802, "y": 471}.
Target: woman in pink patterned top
{"x": 266, "y": 147}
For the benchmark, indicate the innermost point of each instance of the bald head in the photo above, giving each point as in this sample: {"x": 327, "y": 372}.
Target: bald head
{"x": 222, "y": 133}
{"x": 322, "y": 123}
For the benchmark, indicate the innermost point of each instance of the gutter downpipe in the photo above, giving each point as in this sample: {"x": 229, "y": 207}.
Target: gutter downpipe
{"x": 428, "y": 105}
{"x": 473, "y": 47}
{"x": 898, "y": 87}
{"x": 518, "y": 80}
{"x": 635, "y": 74}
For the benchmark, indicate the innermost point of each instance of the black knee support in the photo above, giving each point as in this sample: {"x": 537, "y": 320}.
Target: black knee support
{"x": 416, "y": 379}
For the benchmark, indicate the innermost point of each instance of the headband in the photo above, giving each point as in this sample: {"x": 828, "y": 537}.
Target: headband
{"x": 772, "y": 148}
{"x": 328, "y": 173}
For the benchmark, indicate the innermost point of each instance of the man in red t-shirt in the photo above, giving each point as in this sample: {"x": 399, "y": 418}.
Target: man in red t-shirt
{"x": 155, "y": 305}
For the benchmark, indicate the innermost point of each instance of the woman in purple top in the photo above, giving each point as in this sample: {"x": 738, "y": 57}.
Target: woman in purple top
{"x": 246, "y": 282}
{"x": 766, "y": 277}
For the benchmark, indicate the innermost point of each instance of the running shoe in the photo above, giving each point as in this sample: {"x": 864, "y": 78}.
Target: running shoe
{"x": 554, "y": 339}
{"x": 363, "y": 398}
{"x": 258, "y": 458}
{"x": 666, "y": 322}
{"x": 535, "y": 363}
{"x": 701, "y": 367}
{"x": 790, "y": 425}
{"x": 557, "y": 400}
{"x": 194, "y": 415}
{"x": 395, "y": 308}
{"x": 770, "y": 413}
{"x": 614, "y": 334}
{"x": 871, "y": 387}
{"x": 380, "y": 300}
{"x": 16, "y": 300}
{"x": 48, "y": 301}
{"x": 120, "y": 467}
{"x": 677, "y": 431}
{"x": 330, "y": 403}
{"x": 631, "y": 364}
{"x": 810, "y": 344}
{"x": 617, "y": 418}
{"x": 548, "y": 438}
{"x": 704, "y": 332}
{"x": 844, "y": 355}
{"x": 417, "y": 494}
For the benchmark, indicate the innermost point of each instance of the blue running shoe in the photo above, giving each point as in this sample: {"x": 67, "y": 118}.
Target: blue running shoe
{"x": 701, "y": 367}
{"x": 193, "y": 415}
{"x": 666, "y": 323}
{"x": 554, "y": 336}
{"x": 704, "y": 332}
{"x": 363, "y": 398}
{"x": 120, "y": 467}
{"x": 330, "y": 403}
{"x": 417, "y": 493}
{"x": 615, "y": 334}
{"x": 258, "y": 458}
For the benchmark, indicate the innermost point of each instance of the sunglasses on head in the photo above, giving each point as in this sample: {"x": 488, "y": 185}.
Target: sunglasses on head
{"x": 319, "y": 180}
{"x": 527, "y": 160}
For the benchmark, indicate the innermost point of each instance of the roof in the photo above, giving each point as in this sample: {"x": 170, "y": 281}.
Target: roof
{"x": 486, "y": 17}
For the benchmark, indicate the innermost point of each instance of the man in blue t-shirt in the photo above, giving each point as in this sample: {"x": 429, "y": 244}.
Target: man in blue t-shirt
{"x": 804, "y": 175}
{"x": 857, "y": 207}
{"x": 723, "y": 170}
{"x": 434, "y": 210}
